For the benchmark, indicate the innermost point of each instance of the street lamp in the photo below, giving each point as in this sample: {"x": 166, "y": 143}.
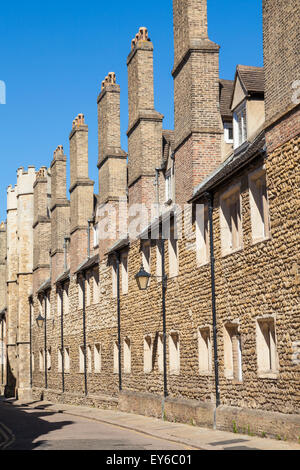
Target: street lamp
{"x": 40, "y": 320}
{"x": 142, "y": 279}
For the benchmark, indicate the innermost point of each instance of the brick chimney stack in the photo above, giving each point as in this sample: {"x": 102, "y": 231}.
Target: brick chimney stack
{"x": 81, "y": 192}
{"x": 282, "y": 70}
{"x": 112, "y": 163}
{"x": 60, "y": 211}
{"x": 112, "y": 160}
{"x": 198, "y": 125}
{"x": 41, "y": 228}
{"x": 145, "y": 123}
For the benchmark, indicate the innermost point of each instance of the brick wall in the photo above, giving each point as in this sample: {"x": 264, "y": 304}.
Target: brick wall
{"x": 281, "y": 33}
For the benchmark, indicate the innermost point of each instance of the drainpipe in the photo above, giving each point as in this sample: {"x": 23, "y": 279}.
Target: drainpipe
{"x": 84, "y": 337}
{"x": 213, "y": 294}
{"x": 62, "y": 339}
{"x": 30, "y": 337}
{"x": 164, "y": 281}
{"x": 117, "y": 256}
{"x": 45, "y": 341}
{"x": 66, "y": 240}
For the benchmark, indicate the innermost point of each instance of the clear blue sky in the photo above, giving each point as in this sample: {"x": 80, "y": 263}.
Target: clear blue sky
{"x": 55, "y": 54}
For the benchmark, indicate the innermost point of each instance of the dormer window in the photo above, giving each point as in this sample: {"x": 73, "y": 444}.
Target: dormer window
{"x": 240, "y": 125}
{"x": 228, "y": 132}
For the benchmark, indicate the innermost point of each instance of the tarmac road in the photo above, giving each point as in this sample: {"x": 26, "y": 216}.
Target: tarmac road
{"x": 24, "y": 428}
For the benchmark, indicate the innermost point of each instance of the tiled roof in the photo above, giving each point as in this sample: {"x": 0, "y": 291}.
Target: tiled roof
{"x": 63, "y": 277}
{"x": 226, "y": 90}
{"x": 119, "y": 245}
{"x": 253, "y": 78}
{"x": 88, "y": 263}
{"x": 45, "y": 286}
{"x": 233, "y": 163}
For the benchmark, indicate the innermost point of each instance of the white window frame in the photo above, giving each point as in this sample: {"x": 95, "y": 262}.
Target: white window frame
{"x": 266, "y": 348}
{"x": 127, "y": 355}
{"x": 80, "y": 293}
{"x": 259, "y": 206}
{"x": 59, "y": 360}
{"x": 89, "y": 359}
{"x": 96, "y": 286}
{"x": 124, "y": 272}
{"x": 174, "y": 353}
{"x": 67, "y": 359}
{"x": 204, "y": 351}
{"x": 97, "y": 358}
{"x": 116, "y": 357}
{"x": 148, "y": 351}
{"x": 173, "y": 253}
{"x": 169, "y": 186}
{"x": 231, "y": 221}
{"x": 66, "y": 298}
{"x": 114, "y": 279}
{"x": 240, "y": 125}
{"x": 81, "y": 359}
{"x": 96, "y": 235}
{"x": 202, "y": 235}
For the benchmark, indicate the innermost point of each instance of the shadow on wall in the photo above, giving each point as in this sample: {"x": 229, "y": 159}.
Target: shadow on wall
{"x": 10, "y": 387}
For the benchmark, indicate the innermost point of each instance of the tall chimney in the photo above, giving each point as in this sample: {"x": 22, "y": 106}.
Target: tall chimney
{"x": 41, "y": 229}
{"x": 112, "y": 160}
{"x": 145, "y": 123}
{"x": 81, "y": 192}
{"x": 60, "y": 211}
{"x": 198, "y": 125}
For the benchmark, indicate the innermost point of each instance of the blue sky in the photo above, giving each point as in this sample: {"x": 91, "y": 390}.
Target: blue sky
{"x": 54, "y": 56}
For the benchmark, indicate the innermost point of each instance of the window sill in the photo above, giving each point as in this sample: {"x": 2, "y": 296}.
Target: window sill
{"x": 202, "y": 265}
{"x": 232, "y": 252}
{"x": 268, "y": 375}
{"x": 256, "y": 241}
{"x": 204, "y": 373}
{"x": 176, "y": 373}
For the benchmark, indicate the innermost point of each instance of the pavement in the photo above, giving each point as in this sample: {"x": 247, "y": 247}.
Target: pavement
{"x": 192, "y": 437}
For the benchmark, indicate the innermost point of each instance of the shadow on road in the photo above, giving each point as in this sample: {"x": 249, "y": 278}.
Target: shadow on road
{"x": 28, "y": 424}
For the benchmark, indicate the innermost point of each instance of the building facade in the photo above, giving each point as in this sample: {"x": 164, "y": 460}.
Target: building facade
{"x": 211, "y": 211}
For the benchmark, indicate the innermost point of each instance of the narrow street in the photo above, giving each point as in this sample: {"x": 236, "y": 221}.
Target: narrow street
{"x": 39, "y": 429}
{"x": 42, "y": 425}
